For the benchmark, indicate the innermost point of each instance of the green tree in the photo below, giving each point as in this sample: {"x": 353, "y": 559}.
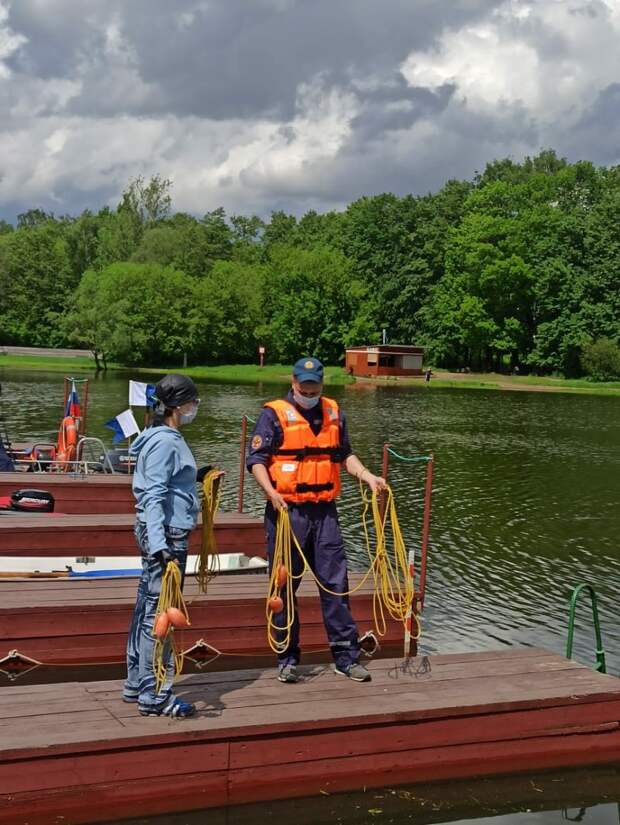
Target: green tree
{"x": 135, "y": 313}
{"x": 601, "y": 360}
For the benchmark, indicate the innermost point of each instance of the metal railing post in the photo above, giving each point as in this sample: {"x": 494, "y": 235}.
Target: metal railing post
{"x": 600, "y": 665}
{"x": 244, "y": 436}
{"x": 384, "y": 472}
{"x": 426, "y": 523}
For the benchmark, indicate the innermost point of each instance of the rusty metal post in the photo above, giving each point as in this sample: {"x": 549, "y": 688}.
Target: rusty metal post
{"x": 384, "y": 474}
{"x": 84, "y": 408}
{"x": 244, "y": 435}
{"x": 426, "y": 523}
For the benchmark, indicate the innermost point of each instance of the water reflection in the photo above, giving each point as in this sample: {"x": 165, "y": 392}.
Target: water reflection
{"x": 532, "y": 799}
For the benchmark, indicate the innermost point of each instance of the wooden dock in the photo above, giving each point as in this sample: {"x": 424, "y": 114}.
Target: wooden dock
{"x": 76, "y": 751}
{"x": 80, "y": 621}
{"x": 112, "y": 535}
{"x": 75, "y": 494}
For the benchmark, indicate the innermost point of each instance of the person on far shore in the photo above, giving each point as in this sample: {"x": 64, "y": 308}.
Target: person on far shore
{"x": 428, "y": 375}
{"x": 164, "y": 485}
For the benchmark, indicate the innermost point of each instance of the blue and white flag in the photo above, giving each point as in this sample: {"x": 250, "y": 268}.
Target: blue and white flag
{"x": 141, "y": 395}
{"x": 124, "y": 425}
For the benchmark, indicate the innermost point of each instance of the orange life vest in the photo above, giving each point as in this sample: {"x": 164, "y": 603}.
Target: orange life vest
{"x": 307, "y": 466}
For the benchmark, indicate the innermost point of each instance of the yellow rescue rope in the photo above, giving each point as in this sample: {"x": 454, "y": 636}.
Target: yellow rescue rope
{"x": 392, "y": 574}
{"x": 171, "y": 612}
{"x": 207, "y": 564}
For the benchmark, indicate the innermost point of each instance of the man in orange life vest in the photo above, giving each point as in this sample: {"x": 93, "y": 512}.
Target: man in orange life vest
{"x": 297, "y": 449}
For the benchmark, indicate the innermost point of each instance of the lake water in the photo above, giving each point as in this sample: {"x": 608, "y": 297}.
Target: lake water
{"x": 525, "y": 502}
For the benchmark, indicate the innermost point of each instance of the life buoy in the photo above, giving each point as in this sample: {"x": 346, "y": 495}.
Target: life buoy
{"x": 67, "y": 442}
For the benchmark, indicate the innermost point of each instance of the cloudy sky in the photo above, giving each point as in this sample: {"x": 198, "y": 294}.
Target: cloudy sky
{"x": 257, "y": 105}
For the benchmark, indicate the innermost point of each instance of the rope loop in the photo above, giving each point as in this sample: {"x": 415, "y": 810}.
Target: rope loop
{"x": 392, "y": 573}
{"x": 171, "y": 596}
{"x": 208, "y": 562}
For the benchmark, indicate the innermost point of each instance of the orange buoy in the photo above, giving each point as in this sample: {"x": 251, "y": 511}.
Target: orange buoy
{"x": 162, "y": 625}
{"x": 176, "y": 617}
{"x": 275, "y": 604}
{"x": 282, "y": 575}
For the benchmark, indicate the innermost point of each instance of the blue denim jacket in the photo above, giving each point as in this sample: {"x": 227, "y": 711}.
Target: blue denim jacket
{"x": 164, "y": 483}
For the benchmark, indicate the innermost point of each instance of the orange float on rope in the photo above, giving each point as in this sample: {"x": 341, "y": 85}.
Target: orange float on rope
{"x": 177, "y": 618}
{"x": 282, "y": 575}
{"x": 161, "y": 626}
{"x": 275, "y": 604}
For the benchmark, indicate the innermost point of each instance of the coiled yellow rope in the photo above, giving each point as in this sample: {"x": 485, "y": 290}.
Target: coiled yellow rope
{"x": 170, "y": 595}
{"x": 207, "y": 564}
{"x": 392, "y": 573}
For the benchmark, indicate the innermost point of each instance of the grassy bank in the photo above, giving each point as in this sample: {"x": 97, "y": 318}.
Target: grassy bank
{"x": 41, "y": 362}
{"x": 280, "y": 374}
{"x": 231, "y": 374}
{"x": 524, "y": 383}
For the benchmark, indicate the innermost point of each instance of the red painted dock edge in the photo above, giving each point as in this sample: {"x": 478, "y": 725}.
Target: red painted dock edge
{"x": 77, "y": 751}
{"x": 77, "y": 621}
{"x": 112, "y": 535}
{"x": 76, "y": 494}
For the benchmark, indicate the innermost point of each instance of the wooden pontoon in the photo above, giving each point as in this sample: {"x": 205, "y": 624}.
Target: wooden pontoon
{"x": 76, "y": 494}
{"x": 78, "y": 621}
{"x": 112, "y": 535}
{"x": 76, "y": 751}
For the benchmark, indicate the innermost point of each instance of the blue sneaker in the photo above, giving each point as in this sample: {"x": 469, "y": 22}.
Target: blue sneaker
{"x": 176, "y": 709}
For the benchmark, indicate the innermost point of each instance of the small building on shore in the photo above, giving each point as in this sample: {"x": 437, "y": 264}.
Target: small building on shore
{"x": 384, "y": 359}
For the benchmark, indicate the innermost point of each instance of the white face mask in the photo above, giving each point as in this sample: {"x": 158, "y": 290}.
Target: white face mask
{"x": 306, "y": 403}
{"x": 188, "y": 417}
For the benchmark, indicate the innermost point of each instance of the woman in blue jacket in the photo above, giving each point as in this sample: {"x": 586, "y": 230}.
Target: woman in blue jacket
{"x": 164, "y": 485}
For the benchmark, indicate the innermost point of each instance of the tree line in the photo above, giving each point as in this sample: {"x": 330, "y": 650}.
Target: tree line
{"x": 518, "y": 268}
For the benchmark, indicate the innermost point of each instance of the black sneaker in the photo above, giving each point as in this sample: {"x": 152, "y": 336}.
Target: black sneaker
{"x": 176, "y": 709}
{"x": 356, "y": 672}
{"x": 288, "y": 674}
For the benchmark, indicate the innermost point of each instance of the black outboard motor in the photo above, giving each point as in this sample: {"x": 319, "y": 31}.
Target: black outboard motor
{"x": 32, "y": 501}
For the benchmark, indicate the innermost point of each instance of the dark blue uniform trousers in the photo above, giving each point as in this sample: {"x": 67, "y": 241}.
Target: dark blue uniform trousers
{"x": 318, "y": 533}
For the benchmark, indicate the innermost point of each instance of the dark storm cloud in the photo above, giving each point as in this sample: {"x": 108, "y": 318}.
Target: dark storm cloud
{"x": 228, "y": 58}
{"x": 264, "y": 104}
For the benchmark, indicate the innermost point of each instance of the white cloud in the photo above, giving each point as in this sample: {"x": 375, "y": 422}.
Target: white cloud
{"x": 9, "y": 40}
{"x": 550, "y": 57}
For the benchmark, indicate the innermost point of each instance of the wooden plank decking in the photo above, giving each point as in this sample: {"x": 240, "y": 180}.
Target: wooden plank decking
{"x": 97, "y": 493}
{"x": 76, "y": 751}
{"x": 64, "y": 621}
{"x": 112, "y": 535}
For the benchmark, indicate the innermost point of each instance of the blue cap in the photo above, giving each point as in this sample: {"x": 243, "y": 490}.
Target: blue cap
{"x": 308, "y": 369}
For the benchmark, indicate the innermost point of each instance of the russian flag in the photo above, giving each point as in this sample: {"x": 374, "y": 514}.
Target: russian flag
{"x": 72, "y": 407}
{"x": 124, "y": 425}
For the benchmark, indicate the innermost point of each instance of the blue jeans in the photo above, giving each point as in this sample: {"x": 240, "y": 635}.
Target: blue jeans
{"x": 140, "y": 684}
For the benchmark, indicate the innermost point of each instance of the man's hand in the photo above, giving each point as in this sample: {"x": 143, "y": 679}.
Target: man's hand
{"x": 376, "y": 483}
{"x": 277, "y": 501}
